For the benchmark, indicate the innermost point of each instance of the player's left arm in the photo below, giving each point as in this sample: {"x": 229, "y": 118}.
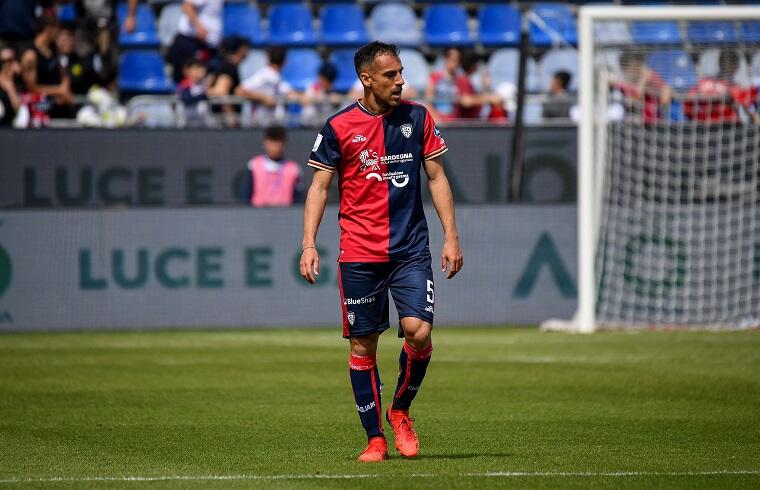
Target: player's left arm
{"x": 451, "y": 255}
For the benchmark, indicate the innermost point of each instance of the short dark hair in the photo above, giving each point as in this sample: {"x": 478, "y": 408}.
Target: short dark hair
{"x": 366, "y": 54}
{"x": 631, "y": 56}
{"x": 563, "y": 78}
{"x": 275, "y": 133}
{"x": 47, "y": 20}
{"x": 469, "y": 60}
{"x": 276, "y": 55}
{"x": 232, "y": 44}
{"x": 193, "y": 62}
{"x": 329, "y": 71}
{"x": 728, "y": 61}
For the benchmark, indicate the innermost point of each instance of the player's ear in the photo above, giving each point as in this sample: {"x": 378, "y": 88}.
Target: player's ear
{"x": 365, "y": 79}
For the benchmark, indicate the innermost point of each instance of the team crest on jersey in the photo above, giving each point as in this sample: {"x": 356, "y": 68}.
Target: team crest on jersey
{"x": 351, "y": 318}
{"x": 406, "y": 130}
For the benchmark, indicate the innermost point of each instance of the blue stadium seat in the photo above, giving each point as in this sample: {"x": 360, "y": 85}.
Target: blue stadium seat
{"x": 416, "y": 69}
{"x": 343, "y": 25}
{"x": 503, "y": 66}
{"x": 558, "y": 21}
{"x": 675, "y": 67}
{"x": 145, "y": 34}
{"x": 395, "y": 23}
{"x": 243, "y": 20}
{"x": 446, "y": 25}
{"x": 612, "y": 32}
{"x": 290, "y": 24}
{"x": 499, "y": 25}
{"x": 67, "y": 12}
{"x": 343, "y": 59}
{"x": 301, "y": 66}
{"x": 168, "y": 23}
{"x": 143, "y": 71}
{"x": 655, "y": 32}
{"x": 556, "y": 60}
{"x": 750, "y": 31}
{"x": 711, "y": 32}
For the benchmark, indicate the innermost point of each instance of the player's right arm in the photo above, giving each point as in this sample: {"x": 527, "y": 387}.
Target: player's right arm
{"x": 316, "y": 200}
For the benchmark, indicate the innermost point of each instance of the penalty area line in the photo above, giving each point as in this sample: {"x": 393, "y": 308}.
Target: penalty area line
{"x": 359, "y": 476}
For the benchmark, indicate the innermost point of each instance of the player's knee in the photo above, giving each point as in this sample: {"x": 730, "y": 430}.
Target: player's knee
{"x": 419, "y": 338}
{"x": 364, "y": 345}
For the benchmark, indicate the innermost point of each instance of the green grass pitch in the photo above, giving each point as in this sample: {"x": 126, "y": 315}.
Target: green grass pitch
{"x": 500, "y": 407}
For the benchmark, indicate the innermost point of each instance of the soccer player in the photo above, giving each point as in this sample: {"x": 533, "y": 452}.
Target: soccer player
{"x": 377, "y": 146}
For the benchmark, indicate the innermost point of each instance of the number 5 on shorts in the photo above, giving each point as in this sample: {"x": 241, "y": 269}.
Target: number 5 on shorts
{"x": 431, "y": 292}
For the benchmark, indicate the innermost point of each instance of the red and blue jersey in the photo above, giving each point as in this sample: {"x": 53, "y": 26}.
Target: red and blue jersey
{"x": 378, "y": 159}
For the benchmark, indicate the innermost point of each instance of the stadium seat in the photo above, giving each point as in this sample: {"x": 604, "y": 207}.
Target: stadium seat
{"x": 395, "y": 23}
{"x": 290, "y": 24}
{"x": 503, "y": 66}
{"x": 145, "y": 34}
{"x": 150, "y": 113}
{"x": 256, "y": 59}
{"x": 416, "y": 69}
{"x": 243, "y": 20}
{"x": 446, "y": 25}
{"x": 533, "y": 114}
{"x": 711, "y": 32}
{"x": 708, "y": 66}
{"x": 552, "y": 22}
{"x": 301, "y": 66}
{"x": 343, "y": 25}
{"x": 655, "y": 32}
{"x": 143, "y": 71}
{"x": 67, "y": 12}
{"x": 168, "y": 23}
{"x": 612, "y": 32}
{"x": 343, "y": 59}
{"x": 750, "y": 31}
{"x": 499, "y": 25}
{"x": 555, "y": 60}
{"x": 675, "y": 67}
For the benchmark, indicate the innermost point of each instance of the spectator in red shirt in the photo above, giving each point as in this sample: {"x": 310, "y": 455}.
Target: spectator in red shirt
{"x": 718, "y": 98}
{"x": 644, "y": 90}
{"x": 441, "y": 93}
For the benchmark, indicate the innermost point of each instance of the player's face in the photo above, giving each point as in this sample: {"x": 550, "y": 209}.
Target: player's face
{"x": 386, "y": 81}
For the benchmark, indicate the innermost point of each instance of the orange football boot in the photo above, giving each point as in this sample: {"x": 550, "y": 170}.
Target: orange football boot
{"x": 377, "y": 450}
{"x": 406, "y": 439}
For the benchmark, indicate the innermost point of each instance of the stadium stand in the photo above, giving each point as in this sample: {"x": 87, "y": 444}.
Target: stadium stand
{"x": 447, "y": 25}
{"x": 554, "y": 60}
{"x": 395, "y": 23}
{"x": 143, "y": 71}
{"x": 655, "y": 32}
{"x": 707, "y": 66}
{"x": 243, "y": 20}
{"x": 343, "y": 25}
{"x": 256, "y": 59}
{"x": 552, "y": 24}
{"x": 750, "y": 32}
{"x": 290, "y": 24}
{"x": 503, "y": 65}
{"x": 343, "y": 59}
{"x": 711, "y": 32}
{"x": 145, "y": 34}
{"x": 675, "y": 67}
{"x": 168, "y": 23}
{"x": 416, "y": 68}
{"x": 301, "y": 66}
{"x": 613, "y": 32}
{"x": 499, "y": 25}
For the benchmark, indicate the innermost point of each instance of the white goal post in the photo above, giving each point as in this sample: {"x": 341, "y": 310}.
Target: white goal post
{"x": 592, "y": 149}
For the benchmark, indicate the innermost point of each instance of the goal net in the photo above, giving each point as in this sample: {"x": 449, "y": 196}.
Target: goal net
{"x": 669, "y": 164}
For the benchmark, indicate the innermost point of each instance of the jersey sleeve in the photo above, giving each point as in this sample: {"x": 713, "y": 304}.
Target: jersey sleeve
{"x": 325, "y": 154}
{"x": 433, "y": 144}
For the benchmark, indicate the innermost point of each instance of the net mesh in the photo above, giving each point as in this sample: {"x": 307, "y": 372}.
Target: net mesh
{"x": 677, "y": 158}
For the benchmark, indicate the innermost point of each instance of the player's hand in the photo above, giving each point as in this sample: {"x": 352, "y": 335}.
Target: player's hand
{"x": 310, "y": 265}
{"x": 451, "y": 257}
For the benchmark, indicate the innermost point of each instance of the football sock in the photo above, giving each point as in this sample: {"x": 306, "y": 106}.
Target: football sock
{"x": 365, "y": 381}
{"x": 412, "y": 367}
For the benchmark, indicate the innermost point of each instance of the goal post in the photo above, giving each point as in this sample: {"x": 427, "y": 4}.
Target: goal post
{"x": 643, "y": 195}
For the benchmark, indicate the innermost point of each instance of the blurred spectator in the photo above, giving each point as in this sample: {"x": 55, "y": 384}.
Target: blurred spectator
{"x": 192, "y": 93}
{"x": 719, "y": 99}
{"x": 272, "y": 180}
{"x": 10, "y": 100}
{"x": 199, "y": 34}
{"x": 78, "y": 69}
{"x": 320, "y": 100}
{"x": 560, "y": 101}
{"x": 102, "y": 110}
{"x": 267, "y": 88}
{"x": 227, "y": 78}
{"x": 643, "y": 89}
{"x": 43, "y": 75}
{"x": 130, "y": 21}
{"x": 441, "y": 93}
{"x": 17, "y": 21}
{"x": 469, "y": 100}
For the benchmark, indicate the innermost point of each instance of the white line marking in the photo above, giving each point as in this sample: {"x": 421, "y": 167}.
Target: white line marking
{"x": 327, "y": 476}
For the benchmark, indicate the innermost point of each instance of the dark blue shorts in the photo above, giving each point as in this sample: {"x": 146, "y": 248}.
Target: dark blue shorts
{"x": 364, "y": 293}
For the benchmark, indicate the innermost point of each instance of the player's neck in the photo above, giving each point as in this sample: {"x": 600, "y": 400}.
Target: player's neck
{"x": 370, "y": 103}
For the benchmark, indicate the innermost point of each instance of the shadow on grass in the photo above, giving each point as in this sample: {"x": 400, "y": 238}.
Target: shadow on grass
{"x": 463, "y": 456}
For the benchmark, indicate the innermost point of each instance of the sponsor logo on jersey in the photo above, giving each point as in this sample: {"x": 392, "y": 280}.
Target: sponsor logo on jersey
{"x": 406, "y": 130}
{"x": 429, "y": 309}
{"x": 359, "y": 301}
{"x": 317, "y": 142}
{"x": 359, "y": 138}
{"x": 351, "y": 317}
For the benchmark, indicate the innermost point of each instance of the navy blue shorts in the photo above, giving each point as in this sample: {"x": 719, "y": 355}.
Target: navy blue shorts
{"x": 364, "y": 293}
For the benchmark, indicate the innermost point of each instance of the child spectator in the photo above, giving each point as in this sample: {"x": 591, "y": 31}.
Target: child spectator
{"x": 319, "y": 100}
{"x": 192, "y": 93}
{"x": 643, "y": 89}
